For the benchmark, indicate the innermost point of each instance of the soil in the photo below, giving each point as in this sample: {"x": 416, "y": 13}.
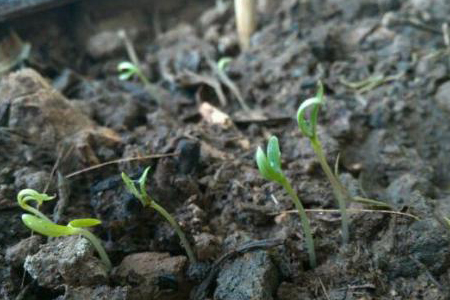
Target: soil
{"x": 385, "y": 68}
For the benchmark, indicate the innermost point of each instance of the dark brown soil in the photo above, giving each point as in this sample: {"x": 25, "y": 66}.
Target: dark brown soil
{"x": 64, "y": 109}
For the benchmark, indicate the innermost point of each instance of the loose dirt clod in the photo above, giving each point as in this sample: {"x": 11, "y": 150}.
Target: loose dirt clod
{"x": 66, "y": 261}
{"x": 154, "y": 275}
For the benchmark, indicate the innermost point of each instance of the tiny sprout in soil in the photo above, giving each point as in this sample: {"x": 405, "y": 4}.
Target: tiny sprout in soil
{"x": 127, "y": 70}
{"x": 308, "y": 128}
{"x": 38, "y": 222}
{"x": 146, "y": 200}
{"x": 270, "y": 168}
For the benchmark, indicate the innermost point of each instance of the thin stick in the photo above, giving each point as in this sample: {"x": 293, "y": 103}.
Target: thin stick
{"x": 129, "y": 47}
{"x": 318, "y": 210}
{"x": 324, "y": 289}
{"x": 245, "y": 11}
{"x": 112, "y": 162}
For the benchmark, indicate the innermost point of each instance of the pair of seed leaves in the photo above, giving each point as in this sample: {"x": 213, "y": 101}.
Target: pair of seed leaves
{"x": 269, "y": 164}
{"x": 43, "y": 225}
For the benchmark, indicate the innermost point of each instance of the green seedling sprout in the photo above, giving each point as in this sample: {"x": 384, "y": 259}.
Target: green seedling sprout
{"x": 128, "y": 69}
{"x": 223, "y": 63}
{"x": 270, "y": 168}
{"x": 74, "y": 227}
{"x": 26, "y": 195}
{"x": 309, "y": 129}
{"x": 40, "y": 223}
{"x": 146, "y": 200}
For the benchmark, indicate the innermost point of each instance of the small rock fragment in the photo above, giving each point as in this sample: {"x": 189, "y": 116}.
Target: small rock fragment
{"x": 29, "y": 178}
{"x": 207, "y": 246}
{"x": 47, "y": 118}
{"x": 103, "y": 44}
{"x": 443, "y": 96}
{"x": 67, "y": 260}
{"x": 103, "y": 292}
{"x": 424, "y": 246}
{"x": 250, "y": 276}
{"x": 154, "y": 274}
{"x": 15, "y": 255}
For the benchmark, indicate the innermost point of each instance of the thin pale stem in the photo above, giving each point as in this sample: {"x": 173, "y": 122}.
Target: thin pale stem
{"x": 151, "y": 88}
{"x": 98, "y": 246}
{"x": 304, "y": 220}
{"x": 36, "y": 212}
{"x": 338, "y": 190}
{"x": 177, "y": 228}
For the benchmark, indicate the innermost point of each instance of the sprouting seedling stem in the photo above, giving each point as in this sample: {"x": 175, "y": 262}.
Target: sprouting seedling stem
{"x": 48, "y": 228}
{"x": 270, "y": 168}
{"x": 128, "y": 69}
{"x": 146, "y": 200}
{"x": 97, "y": 245}
{"x": 309, "y": 128}
{"x": 339, "y": 192}
{"x": 304, "y": 220}
{"x": 174, "y": 224}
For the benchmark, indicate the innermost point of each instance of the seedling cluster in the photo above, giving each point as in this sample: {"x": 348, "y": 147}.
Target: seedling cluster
{"x": 270, "y": 168}
{"x": 39, "y": 222}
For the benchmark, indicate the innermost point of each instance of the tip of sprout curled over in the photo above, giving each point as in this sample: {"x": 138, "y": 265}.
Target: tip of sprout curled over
{"x": 308, "y": 128}
{"x": 38, "y": 222}
{"x": 126, "y": 70}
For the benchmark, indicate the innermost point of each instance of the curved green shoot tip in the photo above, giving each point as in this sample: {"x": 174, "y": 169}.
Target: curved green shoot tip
{"x": 142, "y": 181}
{"x": 45, "y": 227}
{"x": 270, "y": 166}
{"x": 131, "y": 187}
{"x": 26, "y": 195}
{"x": 308, "y": 128}
{"x": 223, "y": 62}
{"x": 82, "y": 223}
{"x": 126, "y": 70}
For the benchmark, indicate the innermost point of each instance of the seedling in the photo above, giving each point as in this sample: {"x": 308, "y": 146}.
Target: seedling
{"x": 42, "y": 224}
{"x": 128, "y": 69}
{"x": 223, "y": 63}
{"x": 146, "y": 200}
{"x": 309, "y": 128}
{"x": 270, "y": 168}
{"x": 74, "y": 227}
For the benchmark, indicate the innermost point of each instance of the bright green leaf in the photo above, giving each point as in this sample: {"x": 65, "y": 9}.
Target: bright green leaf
{"x": 80, "y": 223}
{"x": 126, "y": 66}
{"x": 126, "y": 75}
{"x": 274, "y": 154}
{"x": 45, "y": 227}
{"x": 142, "y": 181}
